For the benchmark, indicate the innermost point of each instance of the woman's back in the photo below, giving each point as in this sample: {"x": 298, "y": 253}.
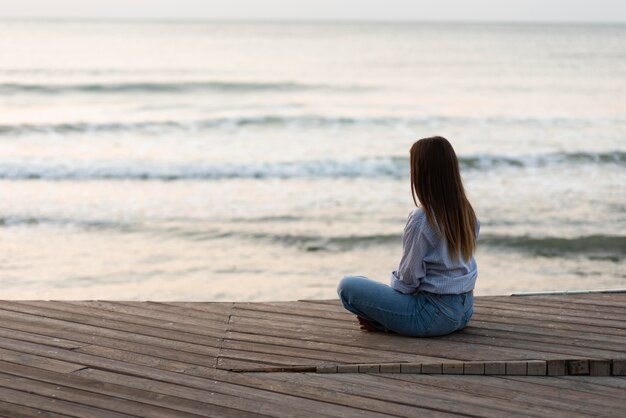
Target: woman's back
{"x": 428, "y": 266}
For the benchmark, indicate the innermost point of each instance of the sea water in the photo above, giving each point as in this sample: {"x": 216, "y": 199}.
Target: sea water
{"x": 264, "y": 161}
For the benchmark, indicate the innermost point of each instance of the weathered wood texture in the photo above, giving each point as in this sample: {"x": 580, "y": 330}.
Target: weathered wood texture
{"x": 556, "y": 355}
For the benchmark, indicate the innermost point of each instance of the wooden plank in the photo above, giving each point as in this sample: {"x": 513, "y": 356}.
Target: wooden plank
{"x": 225, "y": 363}
{"x": 516, "y": 368}
{"x": 89, "y": 334}
{"x": 154, "y": 310}
{"x": 247, "y": 387}
{"x": 518, "y": 391}
{"x": 592, "y": 340}
{"x": 293, "y": 310}
{"x": 546, "y": 323}
{"x": 351, "y": 340}
{"x": 137, "y": 358}
{"x": 537, "y": 368}
{"x": 159, "y": 352}
{"x": 411, "y": 368}
{"x": 546, "y": 344}
{"x": 213, "y": 311}
{"x": 107, "y": 404}
{"x": 459, "y": 350}
{"x": 529, "y": 350}
{"x": 11, "y": 410}
{"x": 332, "y": 400}
{"x": 390, "y": 368}
{"x": 245, "y": 366}
{"x": 332, "y": 302}
{"x": 58, "y": 406}
{"x": 268, "y": 358}
{"x": 131, "y": 358}
{"x": 495, "y": 367}
{"x": 369, "y": 368}
{"x": 328, "y": 369}
{"x": 302, "y": 349}
{"x": 452, "y": 368}
{"x": 363, "y": 396}
{"x": 290, "y": 324}
{"x": 38, "y": 361}
{"x": 102, "y": 362}
{"x": 296, "y": 331}
{"x": 348, "y": 368}
{"x": 474, "y": 368}
{"x": 569, "y": 388}
{"x": 617, "y": 295}
{"x": 278, "y": 318}
{"x": 83, "y": 314}
{"x": 251, "y": 400}
{"x": 432, "y": 368}
{"x": 575, "y": 367}
{"x": 588, "y": 299}
{"x": 556, "y": 367}
{"x": 314, "y": 342}
{"x": 297, "y": 339}
{"x": 559, "y": 311}
{"x": 218, "y": 308}
{"x": 207, "y": 398}
{"x": 175, "y": 353}
{"x": 40, "y": 339}
{"x": 167, "y": 402}
{"x": 312, "y": 306}
{"x": 618, "y": 366}
{"x": 338, "y": 310}
{"x": 555, "y": 315}
{"x": 580, "y": 301}
{"x": 111, "y": 324}
{"x": 614, "y": 382}
{"x": 306, "y": 332}
{"x": 577, "y": 352}
{"x": 556, "y": 303}
{"x": 612, "y": 296}
{"x": 415, "y": 395}
{"x": 599, "y": 367}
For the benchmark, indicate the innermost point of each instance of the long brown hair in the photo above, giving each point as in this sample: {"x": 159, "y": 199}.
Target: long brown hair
{"x": 436, "y": 183}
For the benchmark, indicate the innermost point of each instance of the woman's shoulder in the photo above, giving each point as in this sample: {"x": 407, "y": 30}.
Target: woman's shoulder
{"x": 417, "y": 215}
{"x": 418, "y": 222}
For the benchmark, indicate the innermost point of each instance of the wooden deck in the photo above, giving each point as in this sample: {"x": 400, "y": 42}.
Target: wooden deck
{"x": 112, "y": 359}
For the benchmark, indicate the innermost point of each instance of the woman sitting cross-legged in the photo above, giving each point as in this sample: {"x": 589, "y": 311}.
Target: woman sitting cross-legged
{"x": 431, "y": 292}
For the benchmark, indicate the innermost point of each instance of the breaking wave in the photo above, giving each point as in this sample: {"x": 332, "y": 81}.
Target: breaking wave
{"x": 601, "y": 247}
{"x": 147, "y": 87}
{"x": 375, "y": 167}
{"x": 610, "y": 247}
{"x": 164, "y": 126}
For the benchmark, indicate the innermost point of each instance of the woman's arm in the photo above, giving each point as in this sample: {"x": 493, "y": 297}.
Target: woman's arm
{"x": 414, "y": 247}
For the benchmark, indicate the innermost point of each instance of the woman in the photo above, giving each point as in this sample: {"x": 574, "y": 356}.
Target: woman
{"x": 431, "y": 292}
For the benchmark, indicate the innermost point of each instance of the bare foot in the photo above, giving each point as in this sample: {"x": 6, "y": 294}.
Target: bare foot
{"x": 366, "y": 324}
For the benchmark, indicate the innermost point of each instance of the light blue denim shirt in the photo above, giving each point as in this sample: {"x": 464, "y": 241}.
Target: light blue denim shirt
{"x": 426, "y": 264}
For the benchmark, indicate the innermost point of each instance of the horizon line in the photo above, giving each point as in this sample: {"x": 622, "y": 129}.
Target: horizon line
{"x": 304, "y": 20}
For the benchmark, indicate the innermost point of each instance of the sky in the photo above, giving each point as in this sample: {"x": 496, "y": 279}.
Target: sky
{"x": 429, "y": 10}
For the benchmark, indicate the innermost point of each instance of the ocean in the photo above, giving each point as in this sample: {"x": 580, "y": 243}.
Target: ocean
{"x": 248, "y": 161}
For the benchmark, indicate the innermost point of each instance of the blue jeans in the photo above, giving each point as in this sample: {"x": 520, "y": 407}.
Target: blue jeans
{"x": 420, "y": 314}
